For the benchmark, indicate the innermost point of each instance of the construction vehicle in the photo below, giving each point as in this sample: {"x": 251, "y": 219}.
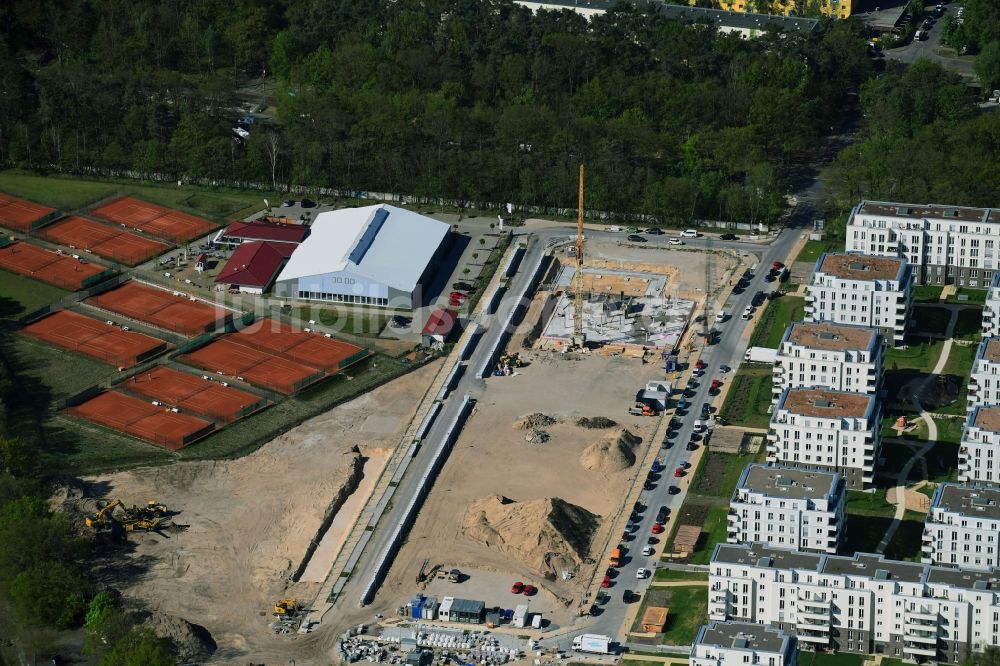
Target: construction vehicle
{"x": 641, "y": 409}
{"x": 512, "y": 360}
{"x": 104, "y": 516}
{"x": 287, "y": 607}
{"x": 115, "y": 513}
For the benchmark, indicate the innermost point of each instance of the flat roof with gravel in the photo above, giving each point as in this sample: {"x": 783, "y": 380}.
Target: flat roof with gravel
{"x": 742, "y": 636}
{"x": 989, "y": 349}
{"x": 927, "y": 211}
{"x": 830, "y": 336}
{"x": 970, "y": 580}
{"x": 974, "y": 501}
{"x": 788, "y": 482}
{"x": 987, "y": 418}
{"x": 827, "y": 404}
{"x": 862, "y": 267}
{"x": 762, "y": 555}
{"x": 875, "y": 567}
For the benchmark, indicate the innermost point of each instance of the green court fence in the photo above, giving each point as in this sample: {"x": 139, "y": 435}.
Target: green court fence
{"x": 354, "y": 358}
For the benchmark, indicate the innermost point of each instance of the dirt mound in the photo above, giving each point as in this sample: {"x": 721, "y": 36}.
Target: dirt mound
{"x": 535, "y": 421}
{"x": 596, "y": 422}
{"x": 612, "y": 453}
{"x": 193, "y": 642}
{"x": 549, "y": 535}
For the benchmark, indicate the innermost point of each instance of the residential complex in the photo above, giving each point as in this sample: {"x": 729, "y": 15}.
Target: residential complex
{"x": 991, "y": 308}
{"x": 740, "y": 643}
{"x": 828, "y": 355}
{"x": 963, "y": 527}
{"x": 834, "y": 8}
{"x": 864, "y": 603}
{"x": 861, "y": 290}
{"x": 979, "y": 452}
{"x": 827, "y": 431}
{"x": 984, "y": 379}
{"x": 787, "y": 507}
{"x": 943, "y": 244}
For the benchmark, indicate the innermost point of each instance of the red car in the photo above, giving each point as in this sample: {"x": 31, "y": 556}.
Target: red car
{"x": 454, "y": 302}
{"x": 716, "y": 384}
{"x": 517, "y": 588}
{"x": 700, "y": 364}
{"x": 657, "y": 528}
{"x": 679, "y": 472}
{"x": 529, "y": 590}
{"x": 777, "y": 266}
{"x": 606, "y": 582}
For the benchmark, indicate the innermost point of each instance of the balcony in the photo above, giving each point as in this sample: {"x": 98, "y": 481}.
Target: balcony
{"x": 720, "y": 597}
{"x": 927, "y": 537}
{"x": 920, "y": 614}
{"x": 921, "y": 651}
{"x": 815, "y": 638}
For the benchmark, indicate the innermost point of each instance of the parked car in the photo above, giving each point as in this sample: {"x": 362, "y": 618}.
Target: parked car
{"x": 725, "y": 369}
{"x": 691, "y": 446}
{"x": 308, "y": 203}
{"x": 729, "y": 237}
{"x": 657, "y": 528}
{"x": 464, "y": 286}
{"x": 287, "y": 203}
{"x": 635, "y": 238}
{"x": 675, "y": 241}
{"x": 626, "y": 596}
{"x": 647, "y": 550}
{"x": 758, "y": 299}
{"x": 679, "y": 472}
{"x": 777, "y": 266}
{"x": 529, "y": 590}
{"x": 606, "y": 582}
{"x": 673, "y": 490}
{"x": 641, "y": 573}
{"x": 517, "y": 588}
{"x": 654, "y": 231}
{"x": 689, "y": 233}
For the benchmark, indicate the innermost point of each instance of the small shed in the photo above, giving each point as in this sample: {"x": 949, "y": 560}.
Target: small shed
{"x": 467, "y": 611}
{"x": 199, "y": 264}
{"x": 654, "y": 620}
{"x": 655, "y": 394}
{"x": 439, "y": 327}
{"x": 686, "y": 539}
{"x": 419, "y": 658}
{"x": 444, "y": 610}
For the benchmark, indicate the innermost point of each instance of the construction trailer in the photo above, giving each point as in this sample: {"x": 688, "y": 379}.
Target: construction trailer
{"x": 467, "y": 611}
{"x": 520, "y": 617}
{"x": 444, "y": 610}
{"x": 430, "y": 609}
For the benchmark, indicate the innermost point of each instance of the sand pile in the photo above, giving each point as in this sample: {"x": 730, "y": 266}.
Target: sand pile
{"x": 596, "y": 422}
{"x": 193, "y": 643}
{"x": 549, "y": 535}
{"x": 612, "y": 453}
{"x": 535, "y": 422}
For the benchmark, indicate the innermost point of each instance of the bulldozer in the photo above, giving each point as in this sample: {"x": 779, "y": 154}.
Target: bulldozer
{"x": 287, "y": 607}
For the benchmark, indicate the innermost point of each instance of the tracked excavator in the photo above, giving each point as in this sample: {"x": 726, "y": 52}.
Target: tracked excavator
{"x": 115, "y": 513}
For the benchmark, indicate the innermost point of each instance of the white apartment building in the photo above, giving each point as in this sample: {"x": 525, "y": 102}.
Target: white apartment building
{"x": 963, "y": 527}
{"x": 979, "y": 451}
{"x": 943, "y": 244}
{"x": 984, "y": 379}
{"x": 827, "y": 431}
{"x": 834, "y": 356}
{"x": 991, "y": 308}
{"x": 861, "y": 290}
{"x": 788, "y": 508}
{"x": 865, "y": 603}
{"x": 740, "y": 644}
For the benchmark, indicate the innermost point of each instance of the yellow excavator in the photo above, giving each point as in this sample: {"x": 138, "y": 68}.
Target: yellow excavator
{"x": 147, "y": 518}
{"x": 287, "y": 607}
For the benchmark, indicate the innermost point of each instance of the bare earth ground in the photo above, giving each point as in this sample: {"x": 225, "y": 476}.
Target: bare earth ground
{"x": 251, "y": 520}
{"x": 491, "y": 457}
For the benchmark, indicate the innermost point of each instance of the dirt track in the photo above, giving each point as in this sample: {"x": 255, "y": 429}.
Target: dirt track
{"x": 251, "y": 520}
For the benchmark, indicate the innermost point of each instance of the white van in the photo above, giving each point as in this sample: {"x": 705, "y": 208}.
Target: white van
{"x": 720, "y": 316}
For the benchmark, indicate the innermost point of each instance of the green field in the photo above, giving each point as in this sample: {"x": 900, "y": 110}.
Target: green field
{"x": 54, "y": 373}
{"x": 930, "y": 320}
{"x": 959, "y": 364}
{"x": 869, "y": 504}
{"x": 969, "y": 325}
{"x": 715, "y": 530}
{"x": 926, "y": 293}
{"x": 688, "y": 611}
{"x": 749, "y": 397}
{"x": 907, "y": 541}
{"x": 673, "y": 575}
{"x": 831, "y": 659}
{"x": 967, "y": 296}
{"x": 920, "y": 357}
{"x": 718, "y": 473}
{"x": 366, "y": 325}
{"x": 776, "y": 317}
{"x": 20, "y": 295}
{"x": 76, "y": 193}
{"x": 814, "y": 249}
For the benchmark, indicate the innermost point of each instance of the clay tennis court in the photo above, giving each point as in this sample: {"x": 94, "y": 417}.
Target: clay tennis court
{"x": 227, "y": 357}
{"x": 311, "y": 349}
{"x": 19, "y": 214}
{"x": 62, "y": 270}
{"x": 156, "y": 424}
{"x": 97, "y": 339}
{"x": 103, "y": 240}
{"x": 193, "y": 394}
{"x": 173, "y": 225}
{"x": 162, "y": 308}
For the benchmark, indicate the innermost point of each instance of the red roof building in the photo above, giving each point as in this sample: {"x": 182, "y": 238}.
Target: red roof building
{"x": 242, "y": 232}
{"x": 254, "y": 266}
{"x": 439, "y": 326}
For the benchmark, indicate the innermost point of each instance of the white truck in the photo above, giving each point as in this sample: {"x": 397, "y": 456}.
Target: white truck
{"x": 761, "y": 355}
{"x": 592, "y": 643}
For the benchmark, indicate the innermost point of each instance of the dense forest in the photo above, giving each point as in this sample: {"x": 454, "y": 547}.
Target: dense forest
{"x": 473, "y": 100}
{"x": 978, "y": 32}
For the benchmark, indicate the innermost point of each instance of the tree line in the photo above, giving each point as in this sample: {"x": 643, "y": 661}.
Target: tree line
{"x": 467, "y": 99}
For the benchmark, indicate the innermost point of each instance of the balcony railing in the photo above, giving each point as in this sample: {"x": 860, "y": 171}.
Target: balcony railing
{"x": 919, "y": 650}
{"x": 920, "y": 614}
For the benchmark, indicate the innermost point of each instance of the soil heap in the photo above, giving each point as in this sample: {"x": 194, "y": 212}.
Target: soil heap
{"x": 612, "y": 453}
{"x": 596, "y": 422}
{"x": 535, "y": 421}
{"x": 548, "y": 535}
{"x": 193, "y": 643}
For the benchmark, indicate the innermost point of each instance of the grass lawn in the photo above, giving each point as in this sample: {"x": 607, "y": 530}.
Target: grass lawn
{"x": 776, "y": 317}
{"x": 942, "y": 462}
{"x": 831, "y": 659}
{"x": 970, "y": 324}
{"x": 966, "y": 296}
{"x": 677, "y": 574}
{"x": 74, "y": 193}
{"x": 949, "y": 430}
{"x": 749, "y": 397}
{"x": 863, "y": 533}
{"x": 959, "y": 365}
{"x": 919, "y": 356}
{"x": 21, "y": 295}
{"x": 926, "y": 293}
{"x": 688, "y": 611}
{"x": 715, "y": 530}
{"x": 869, "y": 504}
{"x": 367, "y": 325}
{"x": 54, "y": 373}
{"x": 930, "y": 319}
{"x": 718, "y": 473}
{"x": 928, "y": 490}
{"x": 906, "y": 542}
{"x": 814, "y": 249}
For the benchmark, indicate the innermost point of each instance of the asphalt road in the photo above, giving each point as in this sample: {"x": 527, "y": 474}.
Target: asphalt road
{"x": 728, "y": 350}
{"x": 926, "y": 49}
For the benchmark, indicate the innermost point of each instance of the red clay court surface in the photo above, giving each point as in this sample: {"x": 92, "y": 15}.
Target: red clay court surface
{"x": 94, "y": 338}
{"x": 161, "y": 308}
{"x": 62, "y": 270}
{"x": 227, "y": 357}
{"x": 137, "y": 417}
{"x": 103, "y": 240}
{"x": 167, "y": 223}
{"x": 193, "y": 394}
{"x": 310, "y": 349}
{"x": 19, "y": 214}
